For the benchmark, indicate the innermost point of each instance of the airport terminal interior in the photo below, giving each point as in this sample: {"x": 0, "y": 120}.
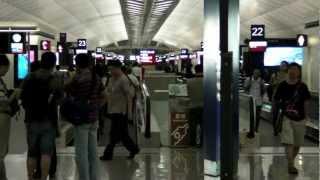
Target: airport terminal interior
{"x": 198, "y": 66}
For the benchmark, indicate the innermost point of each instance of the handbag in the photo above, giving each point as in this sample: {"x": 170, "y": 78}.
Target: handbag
{"x": 290, "y": 109}
{"x": 279, "y": 122}
{"x": 287, "y": 111}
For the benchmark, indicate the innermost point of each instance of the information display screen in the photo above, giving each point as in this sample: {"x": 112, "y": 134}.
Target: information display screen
{"x": 23, "y": 66}
{"x": 147, "y": 56}
{"x": 274, "y": 55}
{"x": 81, "y": 51}
{"x": 32, "y": 56}
{"x": 17, "y": 48}
{"x": 17, "y": 41}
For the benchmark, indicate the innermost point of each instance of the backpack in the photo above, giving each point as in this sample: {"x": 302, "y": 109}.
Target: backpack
{"x": 36, "y": 97}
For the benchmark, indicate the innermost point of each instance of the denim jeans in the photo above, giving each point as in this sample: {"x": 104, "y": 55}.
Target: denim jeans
{"x": 86, "y": 151}
{"x": 5, "y": 124}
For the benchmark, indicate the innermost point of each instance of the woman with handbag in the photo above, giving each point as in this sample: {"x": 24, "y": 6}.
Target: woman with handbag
{"x": 85, "y": 94}
{"x": 292, "y": 95}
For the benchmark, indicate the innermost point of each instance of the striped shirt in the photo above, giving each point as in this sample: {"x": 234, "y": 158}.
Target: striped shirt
{"x": 82, "y": 87}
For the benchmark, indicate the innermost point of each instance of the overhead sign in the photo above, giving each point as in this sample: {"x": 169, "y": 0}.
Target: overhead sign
{"x": 184, "y": 54}
{"x": 99, "y": 50}
{"x": 302, "y": 40}
{"x": 258, "y": 46}
{"x": 45, "y": 45}
{"x": 257, "y": 32}
{"x": 81, "y": 51}
{"x": 17, "y": 41}
{"x": 63, "y": 38}
{"x": 82, "y": 44}
{"x": 147, "y": 56}
{"x": 59, "y": 47}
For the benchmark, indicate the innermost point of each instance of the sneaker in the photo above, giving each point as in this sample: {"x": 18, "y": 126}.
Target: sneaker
{"x": 133, "y": 154}
{"x": 292, "y": 170}
{"x": 106, "y": 158}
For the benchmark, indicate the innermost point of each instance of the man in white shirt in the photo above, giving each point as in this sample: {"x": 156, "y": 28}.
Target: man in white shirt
{"x": 119, "y": 95}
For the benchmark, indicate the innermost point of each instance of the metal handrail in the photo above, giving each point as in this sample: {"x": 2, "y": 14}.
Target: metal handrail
{"x": 252, "y": 111}
{"x": 147, "y": 109}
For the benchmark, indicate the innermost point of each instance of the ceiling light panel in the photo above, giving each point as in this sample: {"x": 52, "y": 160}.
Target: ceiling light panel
{"x": 143, "y": 18}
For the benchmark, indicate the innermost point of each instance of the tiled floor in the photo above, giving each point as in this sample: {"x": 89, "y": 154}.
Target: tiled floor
{"x": 177, "y": 164}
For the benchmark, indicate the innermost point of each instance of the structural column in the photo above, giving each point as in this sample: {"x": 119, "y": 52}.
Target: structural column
{"x": 221, "y": 67}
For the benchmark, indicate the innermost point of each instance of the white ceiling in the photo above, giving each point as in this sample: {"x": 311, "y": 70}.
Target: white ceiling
{"x": 101, "y": 21}
{"x": 283, "y": 18}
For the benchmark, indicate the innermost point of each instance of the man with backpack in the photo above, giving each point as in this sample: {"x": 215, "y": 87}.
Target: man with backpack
{"x": 39, "y": 95}
{"x": 255, "y": 87}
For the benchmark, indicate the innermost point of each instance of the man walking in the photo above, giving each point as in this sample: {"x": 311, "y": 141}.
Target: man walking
{"x": 119, "y": 95}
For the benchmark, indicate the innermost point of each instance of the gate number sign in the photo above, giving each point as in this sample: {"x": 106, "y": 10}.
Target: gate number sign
{"x": 82, "y": 43}
{"x": 257, "y": 32}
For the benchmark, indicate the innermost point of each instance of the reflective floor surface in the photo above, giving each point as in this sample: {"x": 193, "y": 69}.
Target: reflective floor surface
{"x": 176, "y": 164}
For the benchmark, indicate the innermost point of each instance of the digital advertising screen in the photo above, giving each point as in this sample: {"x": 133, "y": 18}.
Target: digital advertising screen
{"x": 274, "y": 55}
{"x": 32, "y": 54}
{"x": 23, "y": 66}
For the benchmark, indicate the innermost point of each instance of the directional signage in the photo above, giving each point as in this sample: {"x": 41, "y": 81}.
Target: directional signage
{"x": 257, "y": 32}
{"x": 82, "y": 44}
{"x": 302, "y": 40}
{"x": 59, "y": 47}
{"x": 99, "y": 50}
{"x": 63, "y": 38}
{"x": 45, "y": 45}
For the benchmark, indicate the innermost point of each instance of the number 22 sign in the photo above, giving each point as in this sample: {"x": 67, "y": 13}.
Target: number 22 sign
{"x": 257, "y": 32}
